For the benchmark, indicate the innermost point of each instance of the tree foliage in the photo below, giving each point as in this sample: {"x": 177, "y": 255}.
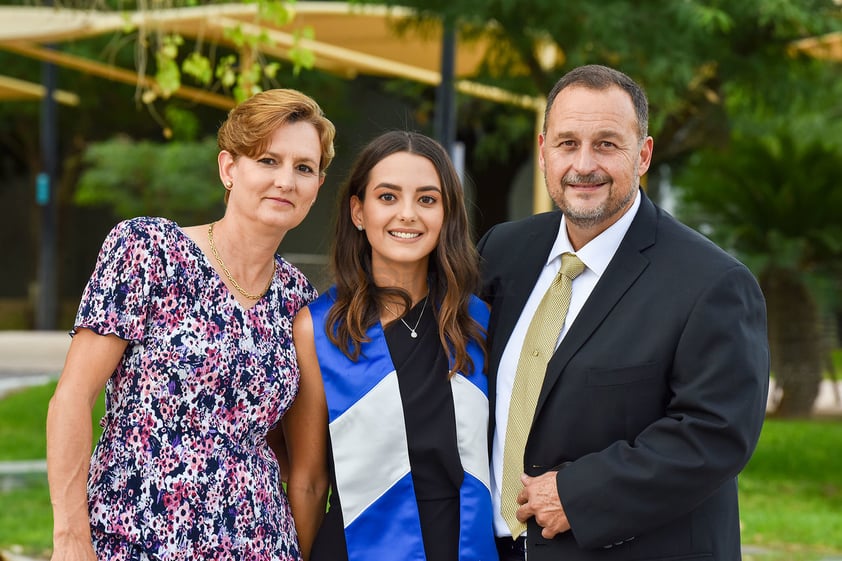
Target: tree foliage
{"x": 769, "y": 197}
{"x": 775, "y": 200}
{"x": 690, "y": 55}
{"x": 175, "y": 179}
{"x": 770, "y": 193}
{"x": 173, "y": 60}
{"x": 704, "y": 63}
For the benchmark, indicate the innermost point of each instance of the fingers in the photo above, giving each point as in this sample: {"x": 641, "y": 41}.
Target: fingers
{"x": 548, "y": 533}
{"x": 539, "y": 499}
{"x": 523, "y": 496}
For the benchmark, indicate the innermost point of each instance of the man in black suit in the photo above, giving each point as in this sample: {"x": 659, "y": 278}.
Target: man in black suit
{"x": 653, "y": 399}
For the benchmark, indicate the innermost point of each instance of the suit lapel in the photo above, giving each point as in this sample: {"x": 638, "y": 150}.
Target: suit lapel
{"x": 625, "y": 267}
{"x": 526, "y": 261}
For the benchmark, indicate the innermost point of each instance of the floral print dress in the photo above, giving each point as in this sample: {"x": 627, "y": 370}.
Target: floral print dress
{"x": 183, "y": 470}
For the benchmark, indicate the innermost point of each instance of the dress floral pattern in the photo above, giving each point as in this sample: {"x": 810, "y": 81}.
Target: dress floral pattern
{"x": 182, "y": 469}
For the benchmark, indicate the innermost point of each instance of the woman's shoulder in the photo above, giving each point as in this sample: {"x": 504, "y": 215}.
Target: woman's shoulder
{"x": 147, "y": 242}
{"x": 294, "y": 280}
{"x": 144, "y": 227}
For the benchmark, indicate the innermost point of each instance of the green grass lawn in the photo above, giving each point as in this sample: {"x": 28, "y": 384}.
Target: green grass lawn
{"x": 791, "y": 490}
{"x": 790, "y": 493}
{"x": 26, "y": 517}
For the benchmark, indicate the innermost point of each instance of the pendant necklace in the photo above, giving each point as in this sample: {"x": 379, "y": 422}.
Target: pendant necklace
{"x": 413, "y": 331}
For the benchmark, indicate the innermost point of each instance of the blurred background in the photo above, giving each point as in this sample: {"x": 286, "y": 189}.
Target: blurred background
{"x": 109, "y": 109}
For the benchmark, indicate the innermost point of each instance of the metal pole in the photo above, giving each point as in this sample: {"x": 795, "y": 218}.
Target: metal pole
{"x": 45, "y": 196}
{"x": 445, "y": 121}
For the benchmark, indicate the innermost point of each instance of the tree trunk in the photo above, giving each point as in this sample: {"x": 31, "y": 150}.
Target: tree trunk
{"x": 794, "y": 340}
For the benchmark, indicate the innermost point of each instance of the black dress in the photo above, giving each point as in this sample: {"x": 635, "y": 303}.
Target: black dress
{"x": 430, "y": 422}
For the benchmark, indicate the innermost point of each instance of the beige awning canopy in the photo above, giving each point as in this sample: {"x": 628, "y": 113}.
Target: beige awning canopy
{"x": 349, "y": 40}
{"x": 12, "y": 89}
{"x": 828, "y": 47}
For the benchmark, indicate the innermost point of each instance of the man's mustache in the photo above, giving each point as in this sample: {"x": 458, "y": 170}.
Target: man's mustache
{"x": 589, "y": 179}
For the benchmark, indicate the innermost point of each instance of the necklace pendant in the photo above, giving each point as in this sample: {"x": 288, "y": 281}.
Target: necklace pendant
{"x": 413, "y": 331}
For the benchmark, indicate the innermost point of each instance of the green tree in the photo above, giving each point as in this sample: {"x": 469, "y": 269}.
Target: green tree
{"x": 776, "y": 202}
{"x": 691, "y": 56}
{"x": 176, "y": 179}
{"x": 771, "y": 194}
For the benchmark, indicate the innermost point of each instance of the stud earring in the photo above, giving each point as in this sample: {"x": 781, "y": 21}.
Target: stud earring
{"x": 360, "y": 227}
{"x": 229, "y": 184}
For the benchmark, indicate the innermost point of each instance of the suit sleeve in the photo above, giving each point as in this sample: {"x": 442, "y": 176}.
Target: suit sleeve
{"x": 718, "y": 383}
{"x": 483, "y": 249}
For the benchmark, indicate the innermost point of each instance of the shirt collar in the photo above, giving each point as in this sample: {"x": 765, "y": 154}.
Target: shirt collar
{"x": 598, "y": 252}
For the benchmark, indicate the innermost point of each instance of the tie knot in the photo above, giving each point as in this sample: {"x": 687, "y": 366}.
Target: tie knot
{"x": 571, "y": 266}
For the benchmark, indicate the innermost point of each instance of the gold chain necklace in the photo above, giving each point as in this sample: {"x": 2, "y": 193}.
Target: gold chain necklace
{"x": 228, "y": 273}
{"x": 412, "y": 330}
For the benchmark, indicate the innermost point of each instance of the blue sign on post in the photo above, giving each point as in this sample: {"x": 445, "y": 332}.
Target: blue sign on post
{"x": 42, "y": 189}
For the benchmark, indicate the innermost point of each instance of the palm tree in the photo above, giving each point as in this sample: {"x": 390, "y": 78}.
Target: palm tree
{"x": 776, "y": 204}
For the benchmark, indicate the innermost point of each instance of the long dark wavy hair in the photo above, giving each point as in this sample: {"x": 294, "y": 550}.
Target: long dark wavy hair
{"x": 453, "y": 273}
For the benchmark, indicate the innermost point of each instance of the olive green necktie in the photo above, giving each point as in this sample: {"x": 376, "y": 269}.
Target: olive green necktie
{"x": 538, "y": 347}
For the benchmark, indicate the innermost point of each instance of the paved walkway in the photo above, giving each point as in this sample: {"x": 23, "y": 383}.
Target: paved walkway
{"x": 31, "y": 357}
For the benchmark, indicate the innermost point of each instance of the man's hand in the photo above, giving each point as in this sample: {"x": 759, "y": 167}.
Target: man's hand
{"x": 539, "y": 498}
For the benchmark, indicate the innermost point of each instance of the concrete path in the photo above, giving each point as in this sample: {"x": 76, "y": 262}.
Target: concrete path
{"x": 33, "y": 351}
{"x": 32, "y": 354}
{"x": 31, "y": 357}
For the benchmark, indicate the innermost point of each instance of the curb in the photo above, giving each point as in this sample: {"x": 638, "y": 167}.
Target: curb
{"x": 9, "y": 556}
{"x": 23, "y": 467}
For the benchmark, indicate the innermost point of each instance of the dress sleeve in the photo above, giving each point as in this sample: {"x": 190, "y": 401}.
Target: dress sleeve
{"x": 298, "y": 288}
{"x": 116, "y": 298}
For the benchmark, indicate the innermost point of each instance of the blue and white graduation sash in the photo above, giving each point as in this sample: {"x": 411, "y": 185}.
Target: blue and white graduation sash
{"x": 371, "y": 455}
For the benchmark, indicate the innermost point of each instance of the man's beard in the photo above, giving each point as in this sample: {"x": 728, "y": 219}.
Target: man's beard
{"x": 588, "y": 218}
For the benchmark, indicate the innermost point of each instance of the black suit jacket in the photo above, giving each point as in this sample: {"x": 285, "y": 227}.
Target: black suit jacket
{"x": 655, "y": 398}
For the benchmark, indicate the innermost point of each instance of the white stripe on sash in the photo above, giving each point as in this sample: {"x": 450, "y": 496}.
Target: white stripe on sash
{"x": 369, "y": 447}
{"x": 471, "y": 407}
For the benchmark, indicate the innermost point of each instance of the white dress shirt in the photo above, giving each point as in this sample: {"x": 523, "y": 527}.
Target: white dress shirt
{"x": 596, "y": 255}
